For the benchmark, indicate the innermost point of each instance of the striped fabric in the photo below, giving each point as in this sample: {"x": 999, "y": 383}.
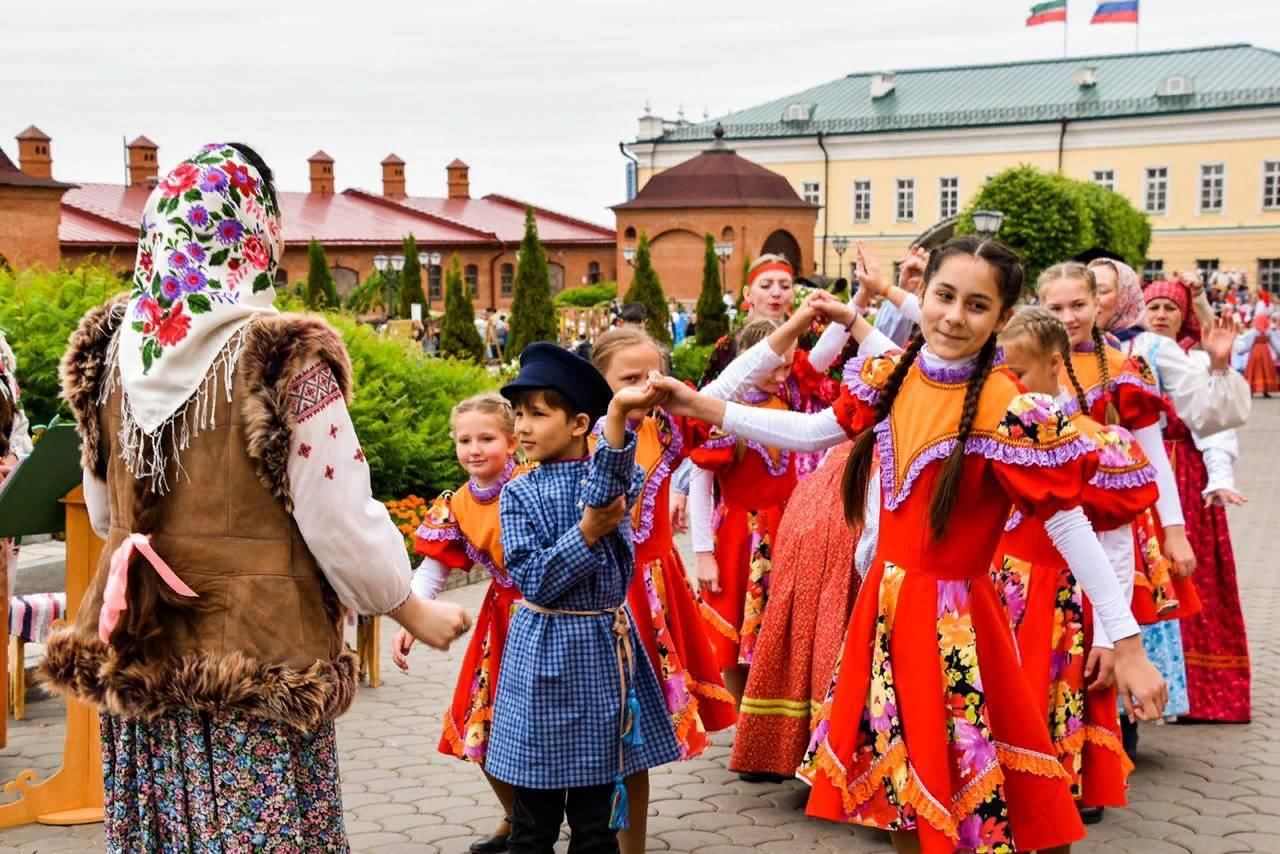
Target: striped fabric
{"x": 31, "y": 617}
{"x": 1123, "y": 12}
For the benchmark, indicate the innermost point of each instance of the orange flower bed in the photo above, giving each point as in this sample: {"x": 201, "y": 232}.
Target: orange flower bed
{"x": 407, "y": 514}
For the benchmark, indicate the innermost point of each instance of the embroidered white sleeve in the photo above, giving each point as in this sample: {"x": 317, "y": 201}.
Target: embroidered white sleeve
{"x": 348, "y": 531}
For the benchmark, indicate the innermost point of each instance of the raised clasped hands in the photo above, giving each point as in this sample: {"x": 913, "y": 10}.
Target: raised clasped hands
{"x": 1219, "y": 339}
{"x": 679, "y": 398}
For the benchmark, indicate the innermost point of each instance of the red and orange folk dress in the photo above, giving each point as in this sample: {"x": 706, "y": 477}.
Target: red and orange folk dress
{"x": 753, "y": 483}
{"x": 1054, "y": 623}
{"x": 460, "y": 531}
{"x": 933, "y": 726}
{"x": 667, "y": 612}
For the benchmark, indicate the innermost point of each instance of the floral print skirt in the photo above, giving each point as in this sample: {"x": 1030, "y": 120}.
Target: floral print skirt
{"x": 744, "y": 553}
{"x": 908, "y": 740}
{"x": 469, "y": 718}
{"x": 220, "y": 783}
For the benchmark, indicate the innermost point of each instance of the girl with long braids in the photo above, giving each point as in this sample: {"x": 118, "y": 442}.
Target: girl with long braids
{"x": 928, "y": 648}
{"x": 1066, "y": 657}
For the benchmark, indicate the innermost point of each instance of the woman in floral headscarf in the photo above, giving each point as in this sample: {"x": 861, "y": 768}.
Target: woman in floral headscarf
{"x": 223, "y": 471}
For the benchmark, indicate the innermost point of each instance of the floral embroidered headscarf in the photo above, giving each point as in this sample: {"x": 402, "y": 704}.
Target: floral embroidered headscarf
{"x": 1188, "y": 335}
{"x": 208, "y": 248}
{"x": 1129, "y": 302}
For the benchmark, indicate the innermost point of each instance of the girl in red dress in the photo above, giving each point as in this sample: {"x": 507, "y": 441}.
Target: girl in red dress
{"x": 667, "y": 613}
{"x": 461, "y": 530}
{"x": 1066, "y": 659}
{"x": 929, "y": 652}
{"x": 735, "y": 549}
{"x": 1260, "y": 370}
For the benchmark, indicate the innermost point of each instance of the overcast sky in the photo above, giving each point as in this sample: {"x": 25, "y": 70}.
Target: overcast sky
{"x": 535, "y": 96}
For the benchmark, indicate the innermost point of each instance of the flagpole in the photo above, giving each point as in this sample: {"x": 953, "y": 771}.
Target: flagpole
{"x": 1137, "y": 29}
{"x": 1065, "y": 24}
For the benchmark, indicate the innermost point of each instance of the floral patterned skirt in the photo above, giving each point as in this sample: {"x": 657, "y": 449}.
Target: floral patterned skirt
{"x": 220, "y": 783}
{"x": 1053, "y": 624}
{"x": 911, "y": 742}
{"x": 1158, "y": 593}
{"x": 672, "y": 624}
{"x": 744, "y": 553}
{"x": 469, "y": 717}
{"x": 1163, "y": 643}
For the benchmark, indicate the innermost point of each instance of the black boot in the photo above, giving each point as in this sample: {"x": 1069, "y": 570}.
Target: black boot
{"x": 495, "y": 844}
{"x": 1129, "y": 737}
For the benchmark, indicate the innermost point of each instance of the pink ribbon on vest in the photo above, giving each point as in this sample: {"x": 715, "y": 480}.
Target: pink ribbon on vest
{"x": 113, "y": 600}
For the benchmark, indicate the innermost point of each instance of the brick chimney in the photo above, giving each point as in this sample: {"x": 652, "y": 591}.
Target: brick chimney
{"x": 392, "y": 176}
{"x": 321, "y": 173}
{"x": 459, "y": 180}
{"x": 144, "y": 169}
{"x": 33, "y": 153}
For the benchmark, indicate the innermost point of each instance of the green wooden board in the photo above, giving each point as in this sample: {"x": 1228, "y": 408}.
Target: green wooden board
{"x": 29, "y": 499}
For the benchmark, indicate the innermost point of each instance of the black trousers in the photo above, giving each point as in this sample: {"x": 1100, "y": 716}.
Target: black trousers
{"x": 538, "y": 813}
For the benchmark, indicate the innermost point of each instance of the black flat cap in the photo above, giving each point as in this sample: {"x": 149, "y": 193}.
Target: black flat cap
{"x": 544, "y": 365}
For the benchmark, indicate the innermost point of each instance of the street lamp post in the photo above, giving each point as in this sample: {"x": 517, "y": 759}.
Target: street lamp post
{"x": 723, "y": 251}
{"x": 433, "y": 264}
{"x": 987, "y": 223}
{"x": 629, "y": 255}
{"x": 840, "y": 243}
{"x": 392, "y": 267}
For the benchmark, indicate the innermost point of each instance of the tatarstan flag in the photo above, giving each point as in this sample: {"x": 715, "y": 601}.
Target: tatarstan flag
{"x": 1048, "y": 12}
{"x": 1122, "y": 12}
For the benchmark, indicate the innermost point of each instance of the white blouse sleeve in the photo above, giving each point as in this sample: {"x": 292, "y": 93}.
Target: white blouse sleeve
{"x": 99, "y": 507}
{"x": 876, "y": 344}
{"x": 1118, "y": 545}
{"x": 348, "y": 531}
{"x": 1220, "y": 452}
{"x": 701, "y": 510}
{"x": 1206, "y": 401}
{"x": 1168, "y": 505}
{"x": 778, "y": 428}
{"x": 429, "y": 578}
{"x": 1076, "y": 542}
{"x": 910, "y": 308}
{"x": 829, "y": 346}
{"x": 742, "y": 373}
{"x": 869, "y": 540}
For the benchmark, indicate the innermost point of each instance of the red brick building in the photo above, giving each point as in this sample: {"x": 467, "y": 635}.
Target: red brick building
{"x": 721, "y": 194}
{"x": 45, "y": 221}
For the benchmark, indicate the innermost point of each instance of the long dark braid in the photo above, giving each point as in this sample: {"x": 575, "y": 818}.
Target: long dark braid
{"x": 1104, "y": 373}
{"x": 944, "y": 496}
{"x": 1077, "y": 387}
{"x": 858, "y": 468}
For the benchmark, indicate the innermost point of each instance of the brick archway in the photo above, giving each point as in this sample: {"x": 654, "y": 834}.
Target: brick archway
{"x": 782, "y": 243}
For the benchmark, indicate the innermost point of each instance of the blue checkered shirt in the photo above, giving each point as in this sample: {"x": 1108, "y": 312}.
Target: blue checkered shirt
{"x": 556, "y": 715}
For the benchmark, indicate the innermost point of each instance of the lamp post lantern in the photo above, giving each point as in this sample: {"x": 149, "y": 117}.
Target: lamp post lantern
{"x": 723, "y": 252}
{"x": 629, "y": 255}
{"x": 987, "y": 223}
{"x": 840, "y": 243}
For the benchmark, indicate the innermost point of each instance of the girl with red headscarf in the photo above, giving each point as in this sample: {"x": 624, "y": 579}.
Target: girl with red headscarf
{"x": 1261, "y": 345}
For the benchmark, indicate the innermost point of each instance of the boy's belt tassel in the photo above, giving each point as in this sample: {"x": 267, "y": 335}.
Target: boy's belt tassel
{"x": 629, "y": 716}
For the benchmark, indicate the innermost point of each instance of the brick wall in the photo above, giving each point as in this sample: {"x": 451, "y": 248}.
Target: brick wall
{"x": 29, "y": 225}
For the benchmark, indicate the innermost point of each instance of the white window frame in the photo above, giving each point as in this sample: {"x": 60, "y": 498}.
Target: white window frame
{"x": 817, "y": 191}
{"x": 1274, "y": 264}
{"x": 1222, "y": 191}
{"x": 1147, "y": 266}
{"x": 853, "y": 212}
{"x": 941, "y": 191}
{"x": 1146, "y": 181}
{"x": 1110, "y": 184}
{"x": 897, "y": 195}
{"x": 1275, "y": 197}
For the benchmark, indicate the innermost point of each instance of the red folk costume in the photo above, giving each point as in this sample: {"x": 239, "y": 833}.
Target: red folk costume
{"x": 754, "y": 484}
{"x": 1053, "y": 621}
{"x": 1158, "y": 593}
{"x": 813, "y": 577}
{"x": 667, "y": 613}
{"x": 1260, "y": 370}
{"x": 461, "y": 530}
{"x": 912, "y": 742}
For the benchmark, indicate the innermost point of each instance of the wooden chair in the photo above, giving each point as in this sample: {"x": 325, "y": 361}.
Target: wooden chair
{"x": 31, "y": 618}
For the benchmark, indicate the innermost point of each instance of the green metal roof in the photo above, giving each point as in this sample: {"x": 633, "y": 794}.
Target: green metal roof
{"x": 1224, "y": 77}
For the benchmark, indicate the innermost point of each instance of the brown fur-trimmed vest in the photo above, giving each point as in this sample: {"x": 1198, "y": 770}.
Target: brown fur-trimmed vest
{"x": 266, "y": 638}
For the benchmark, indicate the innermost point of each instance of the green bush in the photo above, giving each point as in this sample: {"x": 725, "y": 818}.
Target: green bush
{"x": 401, "y": 410}
{"x": 1118, "y": 226}
{"x": 713, "y": 317}
{"x": 689, "y": 360}
{"x": 368, "y": 296}
{"x": 646, "y": 289}
{"x": 458, "y": 334}
{"x": 410, "y": 290}
{"x": 532, "y": 316}
{"x": 586, "y": 296}
{"x": 321, "y": 293}
{"x": 38, "y": 312}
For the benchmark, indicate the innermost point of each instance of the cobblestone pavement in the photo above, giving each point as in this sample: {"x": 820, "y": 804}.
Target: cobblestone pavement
{"x": 1199, "y": 789}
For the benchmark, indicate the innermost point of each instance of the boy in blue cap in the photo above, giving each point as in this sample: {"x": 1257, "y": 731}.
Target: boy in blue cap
{"x": 578, "y": 708}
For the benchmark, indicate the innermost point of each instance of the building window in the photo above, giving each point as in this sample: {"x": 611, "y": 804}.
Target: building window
{"x": 1105, "y": 178}
{"x": 905, "y": 210}
{"x": 812, "y": 192}
{"x": 1213, "y": 179}
{"x": 508, "y": 279}
{"x": 1156, "y": 190}
{"x": 1269, "y": 274}
{"x": 282, "y": 277}
{"x": 862, "y": 201}
{"x": 948, "y": 197}
{"x": 631, "y": 180}
{"x": 1154, "y": 270}
{"x": 471, "y": 274}
{"x": 433, "y": 282}
{"x": 1271, "y": 184}
{"x": 1206, "y": 267}
{"x": 593, "y": 273}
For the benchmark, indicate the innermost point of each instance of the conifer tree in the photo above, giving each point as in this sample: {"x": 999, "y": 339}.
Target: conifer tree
{"x": 533, "y": 317}
{"x": 458, "y": 334}
{"x": 647, "y": 290}
{"x": 410, "y": 279}
{"x": 713, "y": 319}
{"x": 320, "y": 292}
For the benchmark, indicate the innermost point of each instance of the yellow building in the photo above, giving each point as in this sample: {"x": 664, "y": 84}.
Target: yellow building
{"x": 1191, "y": 137}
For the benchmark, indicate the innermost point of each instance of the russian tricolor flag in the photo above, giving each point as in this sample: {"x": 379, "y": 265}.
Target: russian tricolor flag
{"x": 1117, "y": 12}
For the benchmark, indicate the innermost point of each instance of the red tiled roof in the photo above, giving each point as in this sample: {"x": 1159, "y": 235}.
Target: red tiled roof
{"x": 142, "y": 142}
{"x": 35, "y": 133}
{"x": 457, "y": 164}
{"x": 85, "y": 229}
{"x": 504, "y": 216}
{"x": 716, "y": 178}
{"x": 320, "y": 157}
{"x": 391, "y": 160}
{"x": 12, "y": 176}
